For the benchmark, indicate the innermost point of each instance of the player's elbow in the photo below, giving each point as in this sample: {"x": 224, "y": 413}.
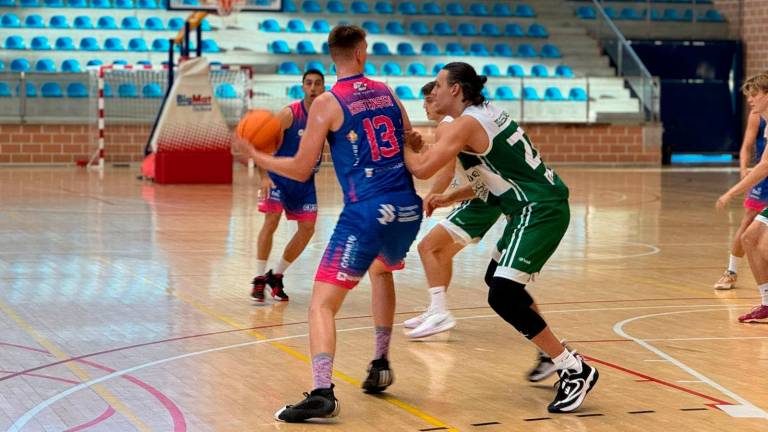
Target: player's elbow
{"x": 420, "y": 172}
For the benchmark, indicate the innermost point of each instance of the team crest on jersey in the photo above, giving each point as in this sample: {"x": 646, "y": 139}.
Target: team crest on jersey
{"x": 360, "y": 86}
{"x": 352, "y": 137}
{"x": 501, "y": 119}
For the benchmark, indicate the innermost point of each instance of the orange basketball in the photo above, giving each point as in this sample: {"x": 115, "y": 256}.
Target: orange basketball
{"x": 260, "y": 128}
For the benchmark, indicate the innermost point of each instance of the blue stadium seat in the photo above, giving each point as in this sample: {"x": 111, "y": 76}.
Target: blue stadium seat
{"x": 7, "y": 3}
{"x": 550, "y": 51}
{"x": 370, "y": 69}
{"x": 325, "y": 49}
{"x": 54, "y": 3}
{"x": 2, "y": 65}
{"x": 513, "y": 30}
{"x": 289, "y": 6}
{"x": 711, "y": 15}
{"x": 478, "y": 9}
{"x": 146, "y": 62}
{"x": 279, "y": 47}
{"x": 288, "y": 68}
{"x": 394, "y": 28}
{"x": 30, "y": 89}
{"x": 58, "y": 21}
{"x": 101, "y": 4}
{"x": 305, "y": 47}
{"x": 30, "y": 3}
{"x": 391, "y": 69}
{"x": 51, "y": 90}
{"x": 380, "y": 48}
{"x": 122, "y": 62}
{"x": 537, "y": 31}
{"x": 372, "y": 27}
{"x": 94, "y": 62}
{"x": 419, "y": 28}
{"x": 70, "y": 65}
{"x": 431, "y": 8}
{"x": 64, "y": 43}
{"x": 687, "y": 15}
{"x": 405, "y": 49}
{"x": 34, "y": 21}
{"x": 89, "y": 44}
{"x": 454, "y": 48}
{"x": 491, "y": 70}
{"x": 314, "y": 64}
{"x": 335, "y": 6}
{"x": 148, "y": 4}
{"x": 5, "y": 90}
{"x": 670, "y": 15}
{"x": 502, "y": 50}
{"x": 437, "y": 68}
{"x": 553, "y": 94}
{"x": 405, "y": 93}
{"x": 478, "y": 50}
{"x": 332, "y": 69}
{"x": 501, "y": 10}
{"x": 124, "y": 4}
{"x": 82, "y": 22}
{"x": 20, "y": 65}
{"x": 10, "y": 20}
{"x": 416, "y": 69}
{"x": 524, "y": 11}
{"x": 106, "y": 22}
{"x": 15, "y": 42}
{"x": 539, "y": 71}
{"x": 176, "y": 24}
{"x": 209, "y": 46}
{"x": 442, "y": 29}
{"x": 321, "y": 26}
{"x": 490, "y": 30}
{"x": 430, "y": 49}
{"x": 466, "y": 29}
{"x": 454, "y": 9}
{"x": 504, "y": 93}
{"x": 526, "y": 51}
{"x": 39, "y": 43}
{"x": 384, "y": 8}
{"x": 515, "y": 70}
{"x": 295, "y": 26}
{"x": 113, "y": 44}
{"x": 226, "y": 91}
{"x": 295, "y": 92}
{"x": 577, "y": 94}
{"x": 311, "y": 6}
{"x": 152, "y": 91}
{"x": 268, "y": 25}
{"x": 631, "y": 14}
{"x": 586, "y": 12}
{"x": 137, "y": 45}
{"x": 407, "y": 8}
{"x": 564, "y": 71}
{"x": 161, "y": 45}
{"x": 530, "y": 93}
{"x": 486, "y": 93}
{"x": 45, "y": 65}
{"x": 77, "y": 90}
{"x": 127, "y": 90}
{"x": 154, "y": 23}
{"x": 132, "y": 23}
{"x": 359, "y": 7}
{"x": 610, "y": 12}
{"x": 77, "y": 4}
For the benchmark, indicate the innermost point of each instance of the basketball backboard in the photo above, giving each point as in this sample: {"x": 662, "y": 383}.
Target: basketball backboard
{"x": 213, "y": 5}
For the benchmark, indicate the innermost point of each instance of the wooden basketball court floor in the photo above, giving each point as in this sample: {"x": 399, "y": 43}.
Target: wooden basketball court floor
{"x": 125, "y": 307}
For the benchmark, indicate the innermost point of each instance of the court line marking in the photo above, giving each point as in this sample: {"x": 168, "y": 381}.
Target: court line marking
{"x": 747, "y": 409}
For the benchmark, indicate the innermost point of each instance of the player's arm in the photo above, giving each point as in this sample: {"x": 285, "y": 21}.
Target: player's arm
{"x": 755, "y": 176}
{"x": 424, "y": 165}
{"x": 748, "y": 144}
{"x": 299, "y": 167}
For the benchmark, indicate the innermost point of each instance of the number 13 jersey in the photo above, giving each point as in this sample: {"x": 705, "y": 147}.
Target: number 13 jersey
{"x": 367, "y": 149}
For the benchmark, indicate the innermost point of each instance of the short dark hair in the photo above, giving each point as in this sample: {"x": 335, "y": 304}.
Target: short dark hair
{"x": 312, "y": 72}
{"x": 426, "y": 90}
{"x": 343, "y": 39}
{"x": 471, "y": 83}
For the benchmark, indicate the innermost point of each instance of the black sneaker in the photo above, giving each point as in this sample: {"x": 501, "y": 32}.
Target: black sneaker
{"x": 573, "y": 387}
{"x": 275, "y": 282}
{"x": 380, "y": 376}
{"x": 319, "y": 403}
{"x": 257, "y": 292}
{"x": 544, "y": 368}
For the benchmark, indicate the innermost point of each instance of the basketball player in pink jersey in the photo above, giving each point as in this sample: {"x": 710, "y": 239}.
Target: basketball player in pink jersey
{"x": 366, "y": 127}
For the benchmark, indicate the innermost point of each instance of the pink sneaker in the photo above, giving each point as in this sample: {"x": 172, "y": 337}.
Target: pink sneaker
{"x": 758, "y": 314}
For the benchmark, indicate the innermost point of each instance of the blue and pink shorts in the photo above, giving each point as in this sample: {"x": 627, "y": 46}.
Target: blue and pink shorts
{"x": 300, "y": 208}
{"x": 380, "y": 228}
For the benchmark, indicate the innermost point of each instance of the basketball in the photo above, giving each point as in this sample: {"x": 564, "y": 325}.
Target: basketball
{"x": 260, "y": 128}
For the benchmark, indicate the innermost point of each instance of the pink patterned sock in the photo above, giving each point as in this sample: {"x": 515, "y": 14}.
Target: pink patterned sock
{"x": 322, "y": 370}
{"x": 383, "y": 336}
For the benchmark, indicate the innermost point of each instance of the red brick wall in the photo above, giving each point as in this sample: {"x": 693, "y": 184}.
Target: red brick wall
{"x": 747, "y": 19}
{"x": 636, "y": 144}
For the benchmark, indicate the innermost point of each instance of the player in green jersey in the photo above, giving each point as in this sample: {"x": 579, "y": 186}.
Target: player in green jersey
{"x": 499, "y": 161}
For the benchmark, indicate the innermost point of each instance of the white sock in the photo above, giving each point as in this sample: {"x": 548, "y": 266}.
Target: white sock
{"x": 566, "y": 360}
{"x": 733, "y": 263}
{"x": 437, "y": 299}
{"x": 764, "y": 293}
{"x": 281, "y": 266}
{"x": 261, "y": 267}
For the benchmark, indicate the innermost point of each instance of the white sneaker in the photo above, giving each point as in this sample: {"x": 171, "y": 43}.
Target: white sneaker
{"x": 416, "y": 321}
{"x": 436, "y": 322}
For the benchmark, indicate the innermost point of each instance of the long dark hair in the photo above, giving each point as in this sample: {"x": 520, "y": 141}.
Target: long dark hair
{"x": 471, "y": 83}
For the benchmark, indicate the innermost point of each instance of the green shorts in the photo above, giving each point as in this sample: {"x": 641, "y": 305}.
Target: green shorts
{"x": 470, "y": 221}
{"x": 530, "y": 238}
{"x": 763, "y": 216}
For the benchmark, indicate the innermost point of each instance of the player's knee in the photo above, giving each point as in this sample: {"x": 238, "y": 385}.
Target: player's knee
{"x": 489, "y": 272}
{"x": 307, "y": 229}
{"x": 270, "y": 223}
{"x": 750, "y": 236}
{"x": 512, "y": 302}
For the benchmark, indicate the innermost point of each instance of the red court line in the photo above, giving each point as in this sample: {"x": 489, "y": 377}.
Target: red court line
{"x": 105, "y": 415}
{"x": 50, "y": 377}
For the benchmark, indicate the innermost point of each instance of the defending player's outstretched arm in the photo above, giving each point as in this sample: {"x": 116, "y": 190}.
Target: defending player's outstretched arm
{"x": 451, "y": 141}
{"x": 758, "y": 174}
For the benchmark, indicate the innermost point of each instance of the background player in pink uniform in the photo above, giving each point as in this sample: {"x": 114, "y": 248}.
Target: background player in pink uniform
{"x": 365, "y": 126}
{"x": 277, "y": 194}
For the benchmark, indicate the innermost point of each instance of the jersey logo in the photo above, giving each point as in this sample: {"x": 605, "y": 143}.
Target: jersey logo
{"x": 475, "y": 179}
{"x": 501, "y": 119}
{"x": 360, "y": 86}
{"x": 352, "y": 137}
{"x": 300, "y": 132}
{"x": 387, "y": 212}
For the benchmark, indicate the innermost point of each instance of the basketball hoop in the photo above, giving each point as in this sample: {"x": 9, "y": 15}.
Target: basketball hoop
{"x": 225, "y": 8}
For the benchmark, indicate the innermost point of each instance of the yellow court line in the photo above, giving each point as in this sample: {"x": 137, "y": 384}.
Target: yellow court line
{"x": 292, "y": 352}
{"x": 80, "y": 373}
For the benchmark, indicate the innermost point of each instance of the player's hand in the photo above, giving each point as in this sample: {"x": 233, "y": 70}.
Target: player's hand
{"x": 435, "y": 201}
{"x": 265, "y": 186}
{"x": 244, "y": 148}
{"x": 413, "y": 140}
{"x": 722, "y": 202}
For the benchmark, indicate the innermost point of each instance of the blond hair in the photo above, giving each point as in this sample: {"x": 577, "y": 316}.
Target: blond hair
{"x": 756, "y": 83}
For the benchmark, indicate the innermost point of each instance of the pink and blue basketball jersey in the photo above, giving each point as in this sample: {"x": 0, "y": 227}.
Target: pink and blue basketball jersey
{"x": 760, "y": 191}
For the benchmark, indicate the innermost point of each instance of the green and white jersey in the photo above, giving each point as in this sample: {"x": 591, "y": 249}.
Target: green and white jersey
{"x": 511, "y": 168}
